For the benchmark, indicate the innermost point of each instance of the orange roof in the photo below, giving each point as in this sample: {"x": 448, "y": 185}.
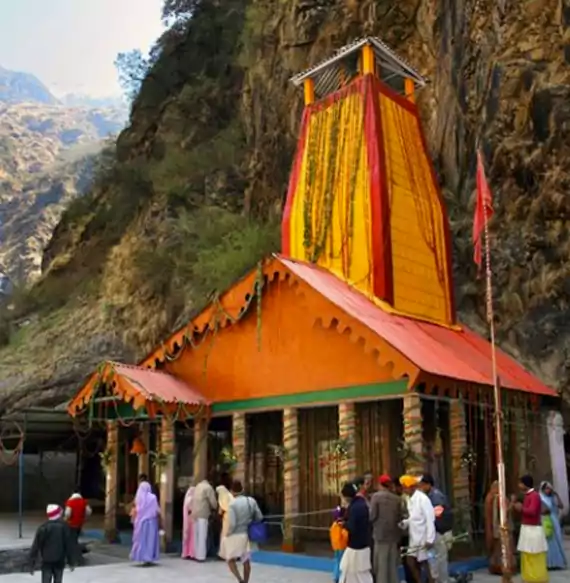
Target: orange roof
{"x": 143, "y": 387}
{"x": 459, "y": 353}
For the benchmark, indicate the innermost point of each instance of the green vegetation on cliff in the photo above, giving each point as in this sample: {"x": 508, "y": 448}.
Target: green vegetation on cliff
{"x": 191, "y": 195}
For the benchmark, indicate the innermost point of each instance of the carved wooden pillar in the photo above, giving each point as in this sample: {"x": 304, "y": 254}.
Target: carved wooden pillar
{"x": 144, "y": 458}
{"x": 111, "y": 479}
{"x": 167, "y": 450}
{"x": 460, "y": 475}
{"x": 200, "y": 449}
{"x": 290, "y": 475}
{"x": 239, "y": 441}
{"x": 414, "y": 461}
{"x": 347, "y": 433}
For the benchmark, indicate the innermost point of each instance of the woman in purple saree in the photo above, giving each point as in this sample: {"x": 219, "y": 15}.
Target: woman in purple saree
{"x": 146, "y": 519}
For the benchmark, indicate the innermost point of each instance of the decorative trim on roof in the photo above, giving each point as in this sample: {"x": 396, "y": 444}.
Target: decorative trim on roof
{"x": 327, "y": 75}
{"x": 153, "y": 391}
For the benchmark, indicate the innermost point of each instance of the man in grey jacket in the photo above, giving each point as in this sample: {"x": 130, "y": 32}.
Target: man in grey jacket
{"x": 385, "y": 517}
{"x": 236, "y": 546}
{"x": 204, "y": 502}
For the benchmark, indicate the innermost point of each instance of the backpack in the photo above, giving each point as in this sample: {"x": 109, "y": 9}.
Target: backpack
{"x": 338, "y": 536}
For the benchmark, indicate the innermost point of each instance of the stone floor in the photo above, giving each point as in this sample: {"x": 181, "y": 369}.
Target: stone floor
{"x": 109, "y": 565}
{"x": 175, "y": 570}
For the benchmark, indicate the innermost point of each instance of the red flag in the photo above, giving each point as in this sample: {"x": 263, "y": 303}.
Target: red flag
{"x": 483, "y": 210}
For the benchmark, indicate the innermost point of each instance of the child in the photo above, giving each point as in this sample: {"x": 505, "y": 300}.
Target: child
{"x": 339, "y": 539}
{"x": 54, "y": 545}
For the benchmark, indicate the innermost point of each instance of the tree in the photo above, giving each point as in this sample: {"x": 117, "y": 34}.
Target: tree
{"x": 132, "y": 68}
{"x": 173, "y": 10}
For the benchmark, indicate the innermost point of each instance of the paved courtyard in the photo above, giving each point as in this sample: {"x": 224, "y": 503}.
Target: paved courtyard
{"x": 175, "y": 570}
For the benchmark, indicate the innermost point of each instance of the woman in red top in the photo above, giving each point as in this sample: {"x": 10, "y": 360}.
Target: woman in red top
{"x": 532, "y": 540}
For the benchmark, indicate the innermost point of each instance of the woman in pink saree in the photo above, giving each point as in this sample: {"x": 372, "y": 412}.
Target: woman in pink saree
{"x": 188, "y": 526}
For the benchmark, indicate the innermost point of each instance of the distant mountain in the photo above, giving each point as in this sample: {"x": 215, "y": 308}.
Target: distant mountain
{"x": 81, "y": 100}
{"x": 17, "y": 87}
{"x": 46, "y": 160}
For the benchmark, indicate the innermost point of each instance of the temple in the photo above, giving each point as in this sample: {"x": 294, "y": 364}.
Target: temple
{"x": 338, "y": 355}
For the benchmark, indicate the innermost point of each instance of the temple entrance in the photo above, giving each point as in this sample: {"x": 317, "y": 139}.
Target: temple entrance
{"x": 264, "y": 472}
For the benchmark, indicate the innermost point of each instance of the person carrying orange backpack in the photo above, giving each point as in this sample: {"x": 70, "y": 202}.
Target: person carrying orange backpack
{"x": 339, "y": 539}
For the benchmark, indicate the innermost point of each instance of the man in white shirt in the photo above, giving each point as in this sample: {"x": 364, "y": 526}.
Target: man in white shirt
{"x": 420, "y": 524}
{"x": 204, "y": 502}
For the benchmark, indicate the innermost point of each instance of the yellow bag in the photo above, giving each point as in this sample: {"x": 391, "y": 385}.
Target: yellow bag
{"x": 338, "y": 536}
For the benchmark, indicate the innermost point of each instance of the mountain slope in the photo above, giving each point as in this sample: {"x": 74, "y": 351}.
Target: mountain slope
{"x": 210, "y": 142}
{"x": 46, "y": 155}
{"x": 17, "y": 87}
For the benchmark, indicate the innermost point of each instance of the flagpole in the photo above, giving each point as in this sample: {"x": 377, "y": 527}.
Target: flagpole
{"x": 504, "y": 532}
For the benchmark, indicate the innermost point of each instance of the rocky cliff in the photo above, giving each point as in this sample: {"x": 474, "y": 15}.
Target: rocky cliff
{"x": 46, "y": 155}
{"x": 194, "y": 193}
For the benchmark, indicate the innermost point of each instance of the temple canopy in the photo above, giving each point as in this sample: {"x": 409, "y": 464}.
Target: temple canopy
{"x": 338, "y": 70}
{"x": 148, "y": 392}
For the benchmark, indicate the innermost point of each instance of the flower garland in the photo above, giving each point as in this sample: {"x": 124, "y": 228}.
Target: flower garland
{"x": 159, "y": 459}
{"x": 228, "y": 458}
{"x": 211, "y": 329}
{"x": 107, "y": 457}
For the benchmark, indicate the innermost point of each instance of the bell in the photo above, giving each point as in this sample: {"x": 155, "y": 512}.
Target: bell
{"x": 138, "y": 448}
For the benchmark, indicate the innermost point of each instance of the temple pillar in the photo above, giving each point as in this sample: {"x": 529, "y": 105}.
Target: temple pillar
{"x": 309, "y": 91}
{"x": 111, "y": 462}
{"x": 144, "y": 458}
{"x": 409, "y": 89}
{"x": 521, "y": 432}
{"x": 167, "y": 450}
{"x": 290, "y": 475}
{"x": 460, "y": 471}
{"x": 239, "y": 446}
{"x": 346, "y": 434}
{"x": 414, "y": 460}
{"x": 555, "y": 429}
{"x": 200, "y": 449}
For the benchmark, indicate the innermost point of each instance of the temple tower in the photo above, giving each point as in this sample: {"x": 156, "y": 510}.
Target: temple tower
{"x": 363, "y": 199}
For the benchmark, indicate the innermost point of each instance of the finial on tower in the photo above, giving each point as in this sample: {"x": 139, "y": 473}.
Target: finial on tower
{"x": 365, "y": 56}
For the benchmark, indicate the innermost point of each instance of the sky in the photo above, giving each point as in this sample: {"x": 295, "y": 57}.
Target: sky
{"x": 71, "y": 45}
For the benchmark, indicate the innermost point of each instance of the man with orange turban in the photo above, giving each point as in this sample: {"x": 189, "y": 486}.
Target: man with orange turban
{"x": 420, "y": 524}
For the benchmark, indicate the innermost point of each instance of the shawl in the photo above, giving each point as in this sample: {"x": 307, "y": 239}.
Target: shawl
{"x": 146, "y": 503}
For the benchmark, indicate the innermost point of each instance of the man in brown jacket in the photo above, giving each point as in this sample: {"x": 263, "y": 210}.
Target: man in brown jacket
{"x": 385, "y": 516}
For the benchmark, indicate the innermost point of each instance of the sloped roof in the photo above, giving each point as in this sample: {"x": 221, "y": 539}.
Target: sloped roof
{"x": 328, "y": 74}
{"x": 455, "y": 353}
{"x": 139, "y": 386}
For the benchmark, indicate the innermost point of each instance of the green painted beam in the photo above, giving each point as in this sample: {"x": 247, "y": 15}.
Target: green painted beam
{"x": 374, "y": 391}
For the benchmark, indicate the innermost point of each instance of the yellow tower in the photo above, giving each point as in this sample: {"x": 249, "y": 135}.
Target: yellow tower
{"x": 363, "y": 199}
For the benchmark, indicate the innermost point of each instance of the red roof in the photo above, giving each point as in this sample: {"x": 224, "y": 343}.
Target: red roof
{"x": 158, "y": 386}
{"x": 457, "y": 354}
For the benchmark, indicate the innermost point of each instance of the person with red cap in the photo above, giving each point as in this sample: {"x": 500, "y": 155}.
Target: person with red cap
{"x": 385, "y": 517}
{"x": 54, "y": 545}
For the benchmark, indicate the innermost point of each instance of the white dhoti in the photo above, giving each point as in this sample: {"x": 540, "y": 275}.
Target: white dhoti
{"x": 355, "y": 566}
{"x": 532, "y": 540}
{"x": 236, "y": 547}
{"x": 200, "y": 539}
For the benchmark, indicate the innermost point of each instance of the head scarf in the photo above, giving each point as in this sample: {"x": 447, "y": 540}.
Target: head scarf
{"x": 338, "y": 513}
{"x": 408, "y": 481}
{"x": 146, "y": 503}
{"x": 188, "y": 498}
{"x": 544, "y": 485}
